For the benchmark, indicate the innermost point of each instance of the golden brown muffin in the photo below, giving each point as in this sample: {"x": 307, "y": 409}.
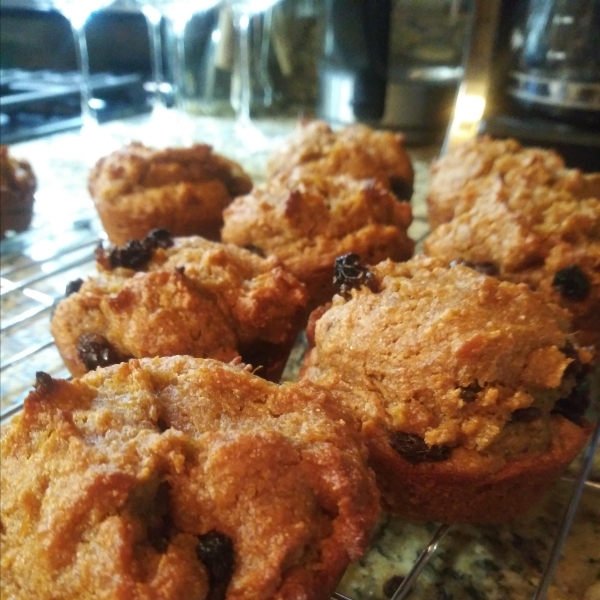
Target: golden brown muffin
{"x": 470, "y": 394}
{"x": 458, "y": 178}
{"x": 181, "y": 478}
{"x": 307, "y": 221}
{"x": 355, "y": 150}
{"x": 137, "y": 189}
{"x": 17, "y": 188}
{"x": 164, "y": 296}
{"x": 546, "y": 237}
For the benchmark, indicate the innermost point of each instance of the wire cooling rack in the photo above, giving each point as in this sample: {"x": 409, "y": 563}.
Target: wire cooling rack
{"x": 34, "y": 273}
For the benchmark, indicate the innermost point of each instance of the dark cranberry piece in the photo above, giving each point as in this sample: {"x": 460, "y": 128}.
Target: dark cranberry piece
{"x": 572, "y": 283}
{"x": 73, "y": 287}
{"x": 391, "y": 585}
{"x": 255, "y": 250}
{"x": 43, "y": 382}
{"x": 526, "y": 415}
{"x": 414, "y": 449}
{"x": 215, "y": 550}
{"x": 135, "y": 254}
{"x": 485, "y": 268}
{"x": 469, "y": 393}
{"x": 348, "y": 273}
{"x": 95, "y": 351}
{"x": 574, "y": 406}
{"x": 160, "y": 238}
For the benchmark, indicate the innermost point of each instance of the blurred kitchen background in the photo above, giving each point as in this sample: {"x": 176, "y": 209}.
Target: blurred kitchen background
{"x": 389, "y": 63}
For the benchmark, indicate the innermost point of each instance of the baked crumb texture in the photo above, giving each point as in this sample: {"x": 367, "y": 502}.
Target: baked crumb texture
{"x": 17, "y": 188}
{"x": 529, "y": 220}
{"x": 470, "y": 392}
{"x": 309, "y": 220}
{"x": 137, "y": 189}
{"x": 355, "y": 150}
{"x": 165, "y": 296}
{"x": 181, "y": 478}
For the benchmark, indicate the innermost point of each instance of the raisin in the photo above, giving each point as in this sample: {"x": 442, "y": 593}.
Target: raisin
{"x": 160, "y": 238}
{"x": 73, "y": 287}
{"x": 95, "y": 351}
{"x": 526, "y": 415}
{"x": 485, "y": 268}
{"x": 255, "y": 250}
{"x": 414, "y": 449}
{"x": 572, "y": 283}
{"x": 469, "y": 393}
{"x": 135, "y": 254}
{"x": 215, "y": 550}
{"x": 349, "y": 273}
{"x": 574, "y": 406}
{"x": 43, "y": 382}
{"x": 391, "y": 585}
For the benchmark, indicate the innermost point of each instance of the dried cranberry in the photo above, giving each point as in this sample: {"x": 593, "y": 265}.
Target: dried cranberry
{"x": 526, "y": 415}
{"x": 485, "y": 268}
{"x": 43, "y": 382}
{"x": 160, "y": 238}
{"x": 572, "y": 283}
{"x": 575, "y": 405}
{"x": 255, "y": 250}
{"x": 576, "y": 368}
{"x": 215, "y": 550}
{"x": 414, "y": 449}
{"x": 135, "y": 254}
{"x": 469, "y": 393}
{"x": 391, "y": 585}
{"x": 95, "y": 351}
{"x": 349, "y": 273}
{"x": 73, "y": 287}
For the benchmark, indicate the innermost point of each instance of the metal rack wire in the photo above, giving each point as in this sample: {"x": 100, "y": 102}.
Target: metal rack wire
{"x": 30, "y": 288}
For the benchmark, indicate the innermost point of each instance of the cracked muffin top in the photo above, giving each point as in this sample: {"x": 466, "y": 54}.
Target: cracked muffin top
{"x": 458, "y": 178}
{"x": 355, "y": 150}
{"x": 164, "y": 296}
{"x": 307, "y": 221}
{"x": 181, "y": 477}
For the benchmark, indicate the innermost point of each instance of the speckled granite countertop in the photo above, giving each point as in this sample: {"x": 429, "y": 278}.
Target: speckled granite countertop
{"x": 487, "y": 563}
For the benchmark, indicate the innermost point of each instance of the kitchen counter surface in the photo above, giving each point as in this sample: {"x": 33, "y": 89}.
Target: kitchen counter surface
{"x": 491, "y": 562}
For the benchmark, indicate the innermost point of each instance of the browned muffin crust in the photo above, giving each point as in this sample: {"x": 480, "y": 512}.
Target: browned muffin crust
{"x": 137, "y": 189}
{"x": 181, "y": 478}
{"x": 469, "y": 391}
{"x": 308, "y": 221}
{"x": 167, "y": 296}
{"x": 548, "y": 238}
{"x": 355, "y": 150}
{"x": 459, "y": 177}
{"x": 17, "y": 188}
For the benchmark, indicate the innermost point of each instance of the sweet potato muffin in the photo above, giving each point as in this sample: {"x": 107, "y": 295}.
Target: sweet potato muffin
{"x": 181, "y": 478}
{"x": 458, "y": 178}
{"x": 307, "y": 221}
{"x": 137, "y": 189}
{"x": 165, "y": 296}
{"x": 17, "y": 188}
{"x": 355, "y": 150}
{"x": 470, "y": 393}
{"x": 546, "y": 237}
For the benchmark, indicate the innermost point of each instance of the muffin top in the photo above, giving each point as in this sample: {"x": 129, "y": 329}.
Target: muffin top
{"x": 309, "y": 220}
{"x": 355, "y": 150}
{"x": 458, "y": 178}
{"x": 136, "y": 168}
{"x": 181, "y": 477}
{"x": 546, "y": 237}
{"x": 16, "y": 176}
{"x": 449, "y": 355}
{"x": 163, "y": 296}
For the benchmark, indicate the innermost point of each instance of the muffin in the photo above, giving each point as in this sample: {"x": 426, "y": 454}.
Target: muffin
{"x": 545, "y": 237}
{"x": 470, "y": 392}
{"x": 458, "y": 178}
{"x": 17, "y": 188}
{"x": 181, "y": 478}
{"x": 165, "y": 296}
{"x": 307, "y": 221}
{"x": 355, "y": 150}
{"x": 137, "y": 189}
